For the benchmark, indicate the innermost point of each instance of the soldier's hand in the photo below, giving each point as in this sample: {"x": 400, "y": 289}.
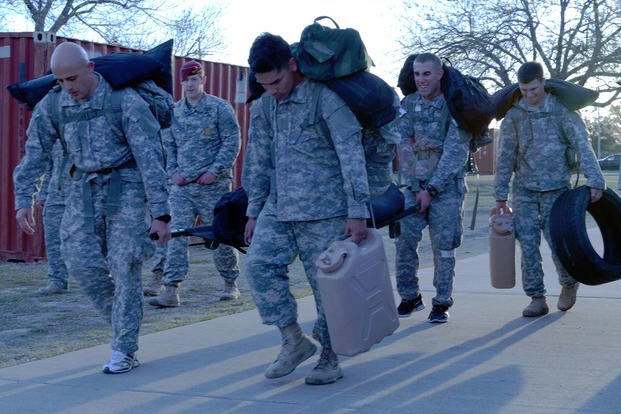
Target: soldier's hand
{"x": 357, "y": 229}
{"x": 423, "y": 198}
{"x": 502, "y": 207}
{"x": 207, "y": 178}
{"x": 249, "y": 230}
{"x": 25, "y": 219}
{"x": 178, "y": 179}
{"x": 161, "y": 229}
{"x": 596, "y": 195}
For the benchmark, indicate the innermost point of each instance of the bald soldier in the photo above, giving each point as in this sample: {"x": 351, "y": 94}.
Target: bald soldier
{"x": 115, "y": 167}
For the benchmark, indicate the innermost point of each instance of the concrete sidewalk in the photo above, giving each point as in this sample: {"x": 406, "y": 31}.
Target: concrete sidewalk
{"x": 487, "y": 359}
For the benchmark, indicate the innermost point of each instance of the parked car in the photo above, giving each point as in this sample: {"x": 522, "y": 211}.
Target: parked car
{"x": 610, "y": 162}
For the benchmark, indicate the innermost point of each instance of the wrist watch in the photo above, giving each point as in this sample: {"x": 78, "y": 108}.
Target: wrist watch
{"x": 431, "y": 190}
{"x": 165, "y": 218}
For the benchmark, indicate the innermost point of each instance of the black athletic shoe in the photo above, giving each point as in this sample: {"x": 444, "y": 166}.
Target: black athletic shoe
{"x": 439, "y": 314}
{"x": 406, "y": 307}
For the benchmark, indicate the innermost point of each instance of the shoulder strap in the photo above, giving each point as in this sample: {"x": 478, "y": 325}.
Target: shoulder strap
{"x": 316, "y": 116}
{"x": 114, "y": 113}
{"x": 55, "y": 111}
{"x": 446, "y": 118}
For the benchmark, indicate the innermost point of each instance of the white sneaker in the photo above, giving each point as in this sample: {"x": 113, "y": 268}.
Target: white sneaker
{"x": 120, "y": 363}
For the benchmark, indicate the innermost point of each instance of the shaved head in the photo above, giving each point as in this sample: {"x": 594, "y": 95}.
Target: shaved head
{"x": 73, "y": 70}
{"x": 68, "y": 54}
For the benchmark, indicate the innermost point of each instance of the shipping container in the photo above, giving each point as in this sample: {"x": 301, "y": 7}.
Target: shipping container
{"x": 25, "y": 56}
{"x": 485, "y": 157}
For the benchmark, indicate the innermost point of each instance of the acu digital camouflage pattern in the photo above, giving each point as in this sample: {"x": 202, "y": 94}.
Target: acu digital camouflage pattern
{"x": 103, "y": 251}
{"x": 431, "y": 153}
{"x": 303, "y": 203}
{"x": 534, "y": 146}
{"x": 204, "y": 137}
{"x": 379, "y": 151}
{"x": 534, "y": 142}
{"x": 52, "y": 193}
{"x": 308, "y": 163}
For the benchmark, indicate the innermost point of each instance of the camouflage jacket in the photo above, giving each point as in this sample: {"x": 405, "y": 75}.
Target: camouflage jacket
{"x": 205, "y": 137}
{"x": 432, "y": 148}
{"x": 535, "y": 148}
{"x": 295, "y": 166}
{"x": 54, "y": 183}
{"x": 94, "y": 145}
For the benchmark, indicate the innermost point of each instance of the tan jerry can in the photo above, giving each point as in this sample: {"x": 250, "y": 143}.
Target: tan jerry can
{"x": 501, "y": 249}
{"x": 356, "y": 293}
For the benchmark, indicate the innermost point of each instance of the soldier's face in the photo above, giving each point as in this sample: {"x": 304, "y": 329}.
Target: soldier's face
{"x": 193, "y": 86}
{"x": 278, "y": 83}
{"x": 77, "y": 80}
{"x": 533, "y": 92}
{"x": 427, "y": 78}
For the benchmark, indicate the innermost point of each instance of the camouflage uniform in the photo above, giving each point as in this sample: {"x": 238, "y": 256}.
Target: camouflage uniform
{"x": 536, "y": 148}
{"x": 103, "y": 231}
{"x": 205, "y": 137}
{"x": 431, "y": 153}
{"x": 53, "y": 197}
{"x": 302, "y": 203}
{"x": 379, "y": 149}
{"x": 158, "y": 261}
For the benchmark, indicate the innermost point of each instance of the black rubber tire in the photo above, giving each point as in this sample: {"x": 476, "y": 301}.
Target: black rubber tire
{"x": 570, "y": 240}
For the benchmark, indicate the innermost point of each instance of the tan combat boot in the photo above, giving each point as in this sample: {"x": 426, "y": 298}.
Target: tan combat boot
{"x": 567, "y": 298}
{"x": 296, "y": 348}
{"x": 231, "y": 292}
{"x": 537, "y": 307}
{"x": 169, "y": 298}
{"x": 154, "y": 286}
{"x": 51, "y": 289}
{"x": 327, "y": 370}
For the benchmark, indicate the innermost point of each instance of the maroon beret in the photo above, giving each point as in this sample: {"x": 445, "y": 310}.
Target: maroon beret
{"x": 190, "y": 68}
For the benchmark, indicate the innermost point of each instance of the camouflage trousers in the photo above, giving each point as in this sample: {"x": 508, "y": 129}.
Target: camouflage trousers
{"x": 531, "y": 211}
{"x": 56, "y": 269}
{"x": 187, "y": 203}
{"x": 104, "y": 252}
{"x": 444, "y": 218}
{"x": 158, "y": 261}
{"x": 275, "y": 245}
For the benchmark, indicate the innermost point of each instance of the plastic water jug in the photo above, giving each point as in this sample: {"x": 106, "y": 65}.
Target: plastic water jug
{"x": 501, "y": 249}
{"x": 357, "y": 295}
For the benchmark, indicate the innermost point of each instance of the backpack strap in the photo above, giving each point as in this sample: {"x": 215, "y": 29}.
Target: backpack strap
{"x": 112, "y": 111}
{"x": 55, "y": 110}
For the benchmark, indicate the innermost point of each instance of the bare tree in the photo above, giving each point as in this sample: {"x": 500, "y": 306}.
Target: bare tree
{"x": 138, "y": 24}
{"x": 605, "y": 131}
{"x": 196, "y": 32}
{"x": 576, "y": 40}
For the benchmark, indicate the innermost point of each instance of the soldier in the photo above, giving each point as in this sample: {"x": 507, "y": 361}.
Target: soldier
{"x": 157, "y": 263}
{"x": 114, "y": 169}
{"x": 432, "y": 156}
{"x": 52, "y": 198}
{"x": 306, "y": 187}
{"x": 200, "y": 156}
{"x": 538, "y": 140}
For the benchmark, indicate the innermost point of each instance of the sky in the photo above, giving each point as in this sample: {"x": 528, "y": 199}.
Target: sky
{"x": 376, "y": 20}
{"x": 243, "y": 20}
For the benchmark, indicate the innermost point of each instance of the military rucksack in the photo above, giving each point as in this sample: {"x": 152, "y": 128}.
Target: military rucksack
{"x": 229, "y": 218}
{"x": 327, "y": 53}
{"x": 148, "y": 73}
